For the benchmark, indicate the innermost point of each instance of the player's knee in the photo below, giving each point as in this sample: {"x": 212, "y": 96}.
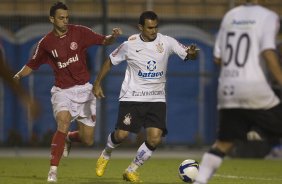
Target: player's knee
{"x": 89, "y": 142}
{"x": 63, "y": 126}
{"x": 150, "y": 146}
{"x": 154, "y": 142}
{"x": 120, "y": 136}
{"x": 63, "y": 123}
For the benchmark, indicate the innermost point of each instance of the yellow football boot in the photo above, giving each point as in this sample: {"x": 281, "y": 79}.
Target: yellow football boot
{"x": 133, "y": 177}
{"x": 101, "y": 165}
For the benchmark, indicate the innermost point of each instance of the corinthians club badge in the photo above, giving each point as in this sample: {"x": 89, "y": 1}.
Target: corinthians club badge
{"x": 127, "y": 119}
{"x": 160, "y": 47}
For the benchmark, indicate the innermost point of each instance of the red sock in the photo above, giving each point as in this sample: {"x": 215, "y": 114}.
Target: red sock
{"x": 57, "y": 147}
{"x": 74, "y": 136}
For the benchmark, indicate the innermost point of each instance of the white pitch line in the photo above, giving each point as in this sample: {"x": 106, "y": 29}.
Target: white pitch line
{"x": 247, "y": 178}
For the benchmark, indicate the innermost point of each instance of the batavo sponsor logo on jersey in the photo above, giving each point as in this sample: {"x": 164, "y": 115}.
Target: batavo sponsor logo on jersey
{"x": 151, "y": 66}
{"x": 69, "y": 61}
{"x": 147, "y": 93}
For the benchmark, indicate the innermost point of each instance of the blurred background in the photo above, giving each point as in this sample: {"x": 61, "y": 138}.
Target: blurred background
{"x": 191, "y": 96}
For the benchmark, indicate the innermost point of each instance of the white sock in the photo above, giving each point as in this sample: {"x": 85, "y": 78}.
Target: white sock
{"x": 110, "y": 146}
{"x": 143, "y": 154}
{"x": 208, "y": 166}
{"x": 53, "y": 168}
{"x": 67, "y": 138}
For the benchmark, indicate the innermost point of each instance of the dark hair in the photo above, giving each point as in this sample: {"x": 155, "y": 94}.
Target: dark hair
{"x": 56, "y": 6}
{"x": 147, "y": 15}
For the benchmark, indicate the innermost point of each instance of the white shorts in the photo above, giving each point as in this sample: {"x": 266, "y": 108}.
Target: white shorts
{"x": 78, "y": 100}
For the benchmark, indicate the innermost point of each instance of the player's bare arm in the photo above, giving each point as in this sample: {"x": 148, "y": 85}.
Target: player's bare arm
{"x": 23, "y": 72}
{"x": 217, "y": 61}
{"x": 110, "y": 39}
{"x": 97, "y": 88}
{"x": 30, "y": 103}
{"x": 27, "y": 100}
{"x": 272, "y": 63}
{"x": 192, "y": 52}
{"x": 7, "y": 74}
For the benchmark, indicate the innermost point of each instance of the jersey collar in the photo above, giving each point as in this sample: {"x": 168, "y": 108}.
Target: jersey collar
{"x": 141, "y": 38}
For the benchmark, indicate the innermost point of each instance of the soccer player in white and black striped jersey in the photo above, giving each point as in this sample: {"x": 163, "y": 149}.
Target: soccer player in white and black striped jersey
{"x": 245, "y": 42}
{"x": 142, "y": 96}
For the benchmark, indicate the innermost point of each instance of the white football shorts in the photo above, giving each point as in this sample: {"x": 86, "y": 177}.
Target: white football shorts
{"x": 78, "y": 100}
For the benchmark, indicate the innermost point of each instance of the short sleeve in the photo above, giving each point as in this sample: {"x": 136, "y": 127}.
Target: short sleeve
{"x": 119, "y": 54}
{"x": 270, "y": 28}
{"x": 219, "y": 37}
{"x": 38, "y": 57}
{"x": 90, "y": 37}
{"x": 177, "y": 47}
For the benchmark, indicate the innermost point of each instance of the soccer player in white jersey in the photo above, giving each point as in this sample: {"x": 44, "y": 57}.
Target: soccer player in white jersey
{"x": 142, "y": 96}
{"x": 245, "y": 42}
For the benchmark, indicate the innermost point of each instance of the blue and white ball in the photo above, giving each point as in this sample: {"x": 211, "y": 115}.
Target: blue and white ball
{"x": 188, "y": 170}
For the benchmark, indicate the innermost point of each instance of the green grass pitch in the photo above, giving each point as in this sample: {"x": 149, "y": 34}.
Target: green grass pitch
{"x": 20, "y": 170}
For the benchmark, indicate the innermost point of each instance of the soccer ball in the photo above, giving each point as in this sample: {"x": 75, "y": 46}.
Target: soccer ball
{"x": 188, "y": 170}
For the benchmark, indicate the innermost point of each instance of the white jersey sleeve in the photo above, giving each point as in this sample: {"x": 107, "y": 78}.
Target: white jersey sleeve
{"x": 119, "y": 54}
{"x": 217, "y": 50}
{"x": 245, "y": 31}
{"x": 177, "y": 48}
{"x": 269, "y": 31}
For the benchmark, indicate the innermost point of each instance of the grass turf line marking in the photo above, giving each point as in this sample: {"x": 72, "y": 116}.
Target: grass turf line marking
{"x": 247, "y": 178}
